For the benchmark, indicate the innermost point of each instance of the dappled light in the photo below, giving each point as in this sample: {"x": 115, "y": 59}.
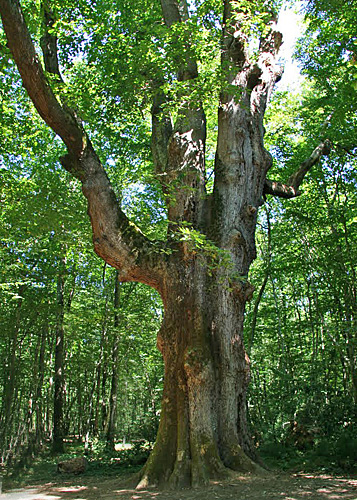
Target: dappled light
{"x": 272, "y": 487}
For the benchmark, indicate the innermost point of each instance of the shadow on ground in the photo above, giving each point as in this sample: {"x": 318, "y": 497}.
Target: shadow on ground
{"x": 275, "y": 487}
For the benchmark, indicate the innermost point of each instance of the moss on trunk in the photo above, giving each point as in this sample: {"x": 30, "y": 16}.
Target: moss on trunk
{"x": 203, "y": 431}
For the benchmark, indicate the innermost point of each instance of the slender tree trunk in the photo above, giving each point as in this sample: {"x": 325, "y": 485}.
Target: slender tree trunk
{"x": 88, "y": 427}
{"x": 41, "y": 375}
{"x": 10, "y": 377}
{"x": 57, "y": 441}
{"x": 350, "y": 337}
{"x": 80, "y": 409}
{"x": 97, "y": 388}
{"x": 103, "y": 394}
{"x": 35, "y": 426}
{"x": 100, "y": 411}
{"x": 111, "y": 432}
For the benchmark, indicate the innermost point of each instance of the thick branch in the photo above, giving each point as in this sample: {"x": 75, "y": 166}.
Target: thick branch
{"x": 280, "y": 190}
{"x": 323, "y": 149}
{"x": 291, "y": 188}
{"x": 162, "y": 129}
{"x": 49, "y": 43}
{"x": 178, "y": 151}
{"x": 115, "y": 238}
{"x": 234, "y": 41}
{"x": 174, "y": 11}
{"x": 270, "y": 73}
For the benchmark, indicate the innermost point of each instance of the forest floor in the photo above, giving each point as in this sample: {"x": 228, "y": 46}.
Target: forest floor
{"x": 275, "y": 486}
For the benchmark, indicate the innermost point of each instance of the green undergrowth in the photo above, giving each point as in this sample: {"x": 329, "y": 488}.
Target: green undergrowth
{"x": 101, "y": 463}
{"x": 324, "y": 456}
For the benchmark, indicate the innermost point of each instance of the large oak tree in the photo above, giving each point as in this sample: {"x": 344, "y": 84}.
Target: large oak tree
{"x": 200, "y": 269}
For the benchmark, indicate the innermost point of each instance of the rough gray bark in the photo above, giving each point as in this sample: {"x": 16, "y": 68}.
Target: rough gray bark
{"x": 34, "y": 414}
{"x": 203, "y": 429}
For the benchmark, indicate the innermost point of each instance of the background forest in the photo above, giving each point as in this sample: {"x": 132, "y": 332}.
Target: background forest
{"x": 78, "y": 348}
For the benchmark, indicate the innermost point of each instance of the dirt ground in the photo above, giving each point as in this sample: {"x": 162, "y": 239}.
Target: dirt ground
{"x": 274, "y": 487}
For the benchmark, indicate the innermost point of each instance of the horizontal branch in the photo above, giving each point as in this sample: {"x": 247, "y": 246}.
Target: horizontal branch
{"x": 280, "y": 190}
{"x": 291, "y": 188}
{"x": 349, "y": 150}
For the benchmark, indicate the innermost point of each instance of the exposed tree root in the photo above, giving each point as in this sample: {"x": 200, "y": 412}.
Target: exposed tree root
{"x": 195, "y": 472}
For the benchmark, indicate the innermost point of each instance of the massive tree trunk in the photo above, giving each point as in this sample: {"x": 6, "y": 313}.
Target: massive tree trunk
{"x": 201, "y": 270}
{"x": 203, "y": 427}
